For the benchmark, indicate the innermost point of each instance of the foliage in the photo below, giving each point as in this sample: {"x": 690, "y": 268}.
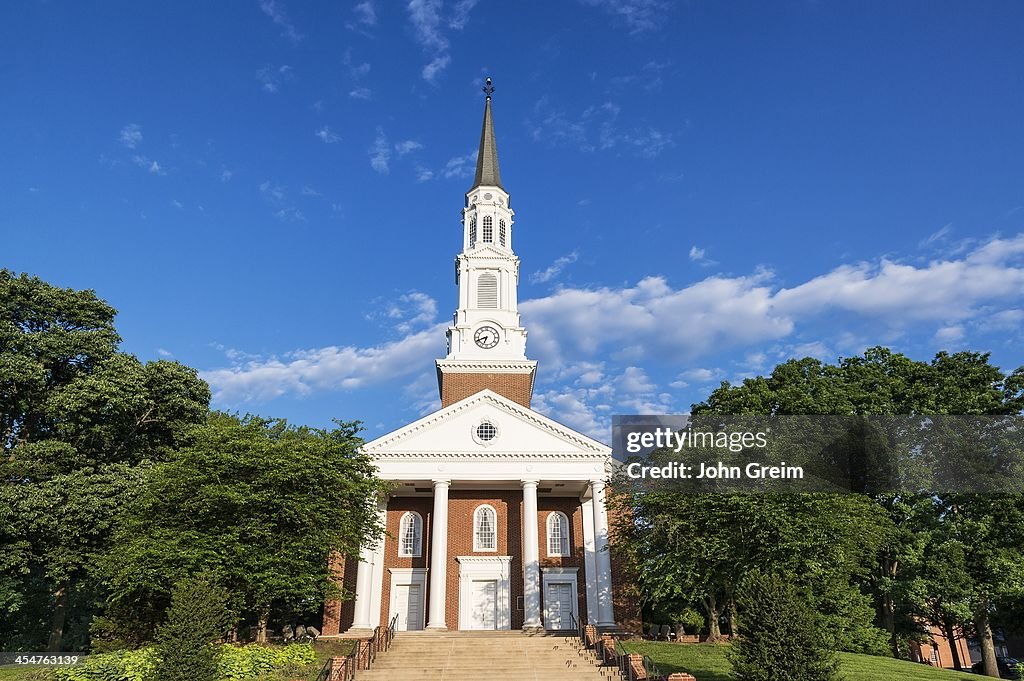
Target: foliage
{"x": 245, "y": 662}
{"x": 261, "y": 504}
{"x": 198, "y": 616}
{"x": 78, "y": 422}
{"x": 123, "y": 665}
{"x": 781, "y": 635}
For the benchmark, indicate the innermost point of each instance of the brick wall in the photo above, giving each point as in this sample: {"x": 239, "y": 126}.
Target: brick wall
{"x": 625, "y": 596}
{"x": 458, "y": 386}
{"x": 339, "y": 613}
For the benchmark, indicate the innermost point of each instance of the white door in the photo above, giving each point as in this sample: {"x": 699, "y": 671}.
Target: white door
{"x": 409, "y": 606}
{"x": 558, "y": 603}
{"x": 484, "y": 609}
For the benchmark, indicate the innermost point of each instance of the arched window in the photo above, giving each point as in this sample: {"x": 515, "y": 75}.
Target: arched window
{"x": 485, "y": 529}
{"x": 410, "y": 535}
{"x": 558, "y": 535}
{"x": 501, "y": 232}
{"x": 487, "y": 290}
{"x": 488, "y": 229}
{"x": 472, "y": 231}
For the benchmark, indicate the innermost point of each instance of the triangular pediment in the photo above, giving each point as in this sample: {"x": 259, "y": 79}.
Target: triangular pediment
{"x": 453, "y": 430}
{"x": 490, "y": 251}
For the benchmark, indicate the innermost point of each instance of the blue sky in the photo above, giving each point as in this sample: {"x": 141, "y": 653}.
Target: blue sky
{"x": 269, "y": 191}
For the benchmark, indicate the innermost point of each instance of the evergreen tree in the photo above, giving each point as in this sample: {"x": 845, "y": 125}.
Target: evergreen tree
{"x": 782, "y": 638}
{"x": 198, "y": 617}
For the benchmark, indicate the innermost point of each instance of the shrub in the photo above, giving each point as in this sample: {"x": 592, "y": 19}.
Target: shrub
{"x": 198, "y": 616}
{"x": 781, "y": 638}
{"x": 246, "y": 662}
{"x": 123, "y": 665}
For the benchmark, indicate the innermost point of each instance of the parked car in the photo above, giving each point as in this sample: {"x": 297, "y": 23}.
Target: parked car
{"x": 1009, "y": 668}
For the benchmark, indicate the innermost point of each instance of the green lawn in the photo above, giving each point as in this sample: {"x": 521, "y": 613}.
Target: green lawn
{"x": 708, "y": 663}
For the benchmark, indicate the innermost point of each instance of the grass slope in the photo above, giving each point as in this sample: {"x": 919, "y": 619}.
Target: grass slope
{"x": 708, "y": 663}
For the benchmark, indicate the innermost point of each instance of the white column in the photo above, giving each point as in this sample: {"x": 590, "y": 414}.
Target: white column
{"x": 377, "y": 569}
{"x": 531, "y": 558}
{"x": 605, "y": 613}
{"x": 364, "y": 574}
{"x": 589, "y": 561}
{"x": 438, "y": 556}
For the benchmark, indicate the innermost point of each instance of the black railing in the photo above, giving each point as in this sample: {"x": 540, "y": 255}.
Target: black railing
{"x": 364, "y": 653}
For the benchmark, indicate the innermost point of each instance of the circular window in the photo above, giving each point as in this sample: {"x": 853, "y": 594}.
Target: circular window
{"x": 487, "y": 196}
{"x": 486, "y": 431}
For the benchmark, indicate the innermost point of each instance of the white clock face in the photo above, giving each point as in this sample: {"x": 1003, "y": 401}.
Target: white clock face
{"x": 486, "y": 337}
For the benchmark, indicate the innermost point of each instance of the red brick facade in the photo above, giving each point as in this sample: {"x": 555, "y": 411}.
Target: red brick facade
{"x": 461, "y": 507}
{"x": 459, "y": 386}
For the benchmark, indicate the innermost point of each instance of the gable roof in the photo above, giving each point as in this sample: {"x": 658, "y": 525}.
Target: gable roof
{"x": 521, "y": 431}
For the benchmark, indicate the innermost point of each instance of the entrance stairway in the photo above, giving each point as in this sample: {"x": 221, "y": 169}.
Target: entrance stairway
{"x": 487, "y": 656}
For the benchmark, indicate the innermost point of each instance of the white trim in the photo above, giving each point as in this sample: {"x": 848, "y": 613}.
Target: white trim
{"x": 494, "y": 513}
{"x": 558, "y": 575}
{"x": 418, "y": 546}
{"x": 481, "y": 568}
{"x": 565, "y": 544}
{"x": 406, "y": 577}
{"x": 586, "y": 443}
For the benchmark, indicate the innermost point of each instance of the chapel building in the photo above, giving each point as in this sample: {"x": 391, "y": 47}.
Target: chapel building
{"x": 498, "y": 517}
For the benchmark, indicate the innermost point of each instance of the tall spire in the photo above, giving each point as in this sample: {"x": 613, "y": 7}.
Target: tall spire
{"x": 487, "y": 172}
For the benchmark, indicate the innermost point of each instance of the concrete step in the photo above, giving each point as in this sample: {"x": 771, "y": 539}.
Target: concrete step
{"x": 490, "y": 655}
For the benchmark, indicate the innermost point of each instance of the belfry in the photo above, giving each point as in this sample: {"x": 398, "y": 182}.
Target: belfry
{"x": 498, "y": 517}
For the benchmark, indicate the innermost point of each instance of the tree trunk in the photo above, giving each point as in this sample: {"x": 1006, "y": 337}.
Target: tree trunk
{"x": 711, "y": 605}
{"x": 988, "y": 648}
{"x": 889, "y": 624}
{"x": 60, "y": 611}
{"x": 261, "y": 627}
{"x": 950, "y": 633}
{"x": 734, "y": 622}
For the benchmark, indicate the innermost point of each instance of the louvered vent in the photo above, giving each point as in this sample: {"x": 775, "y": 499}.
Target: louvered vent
{"x": 487, "y": 291}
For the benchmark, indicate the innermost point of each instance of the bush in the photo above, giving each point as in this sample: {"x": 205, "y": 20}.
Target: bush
{"x": 123, "y": 665}
{"x": 198, "y": 616}
{"x": 246, "y": 662}
{"x": 781, "y": 639}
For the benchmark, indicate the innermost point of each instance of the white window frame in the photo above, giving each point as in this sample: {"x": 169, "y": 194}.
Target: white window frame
{"x": 487, "y": 233}
{"x": 564, "y": 545}
{"x": 403, "y": 529}
{"x": 476, "y": 528}
{"x": 501, "y": 232}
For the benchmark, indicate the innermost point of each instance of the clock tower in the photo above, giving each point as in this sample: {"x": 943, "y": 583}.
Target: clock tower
{"x": 486, "y": 343}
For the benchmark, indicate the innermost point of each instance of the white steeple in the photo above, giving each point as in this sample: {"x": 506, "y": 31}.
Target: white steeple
{"x": 485, "y": 336}
{"x": 486, "y": 323}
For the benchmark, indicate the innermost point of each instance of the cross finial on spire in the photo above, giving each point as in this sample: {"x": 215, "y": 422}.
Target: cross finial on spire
{"x": 488, "y": 88}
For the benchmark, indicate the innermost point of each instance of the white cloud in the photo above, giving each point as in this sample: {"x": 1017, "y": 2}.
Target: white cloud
{"x": 699, "y": 256}
{"x": 289, "y": 214}
{"x": 653, "y": 320}
{"x": 460, "y": 166}
{"x": 412, "y": 310}
{"x": 950, "y": 334}
{"x": 407, "y": 146}
{"x": 460, "y": 15}
{"x": 271, "y": 77}
{"x": 638, "y": 15}
{"x": 272, "y": 192}
{"x": 361, "y": 93}
{"x": 164, "y": 353}
{"x": 380, "y": 153}
{"x": 366, "y": 13}
{"x": 596, "y": 128}
{"x": 131, "y": 136}
{"x": 277, "y": 12}
{"x": 355, "y": 71}
{"x": 330, "y": 368}
{"x": 150, "y": 165}
{"x": 327, "y": 136}
{"x": 225, "y": 174}
{"x": 428, "y": 28}
{"x": 177, "y": 204}
{"x": 554, "y": 269}
{"x": 424, "y": 174}
{"x": 309, "y": 191}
